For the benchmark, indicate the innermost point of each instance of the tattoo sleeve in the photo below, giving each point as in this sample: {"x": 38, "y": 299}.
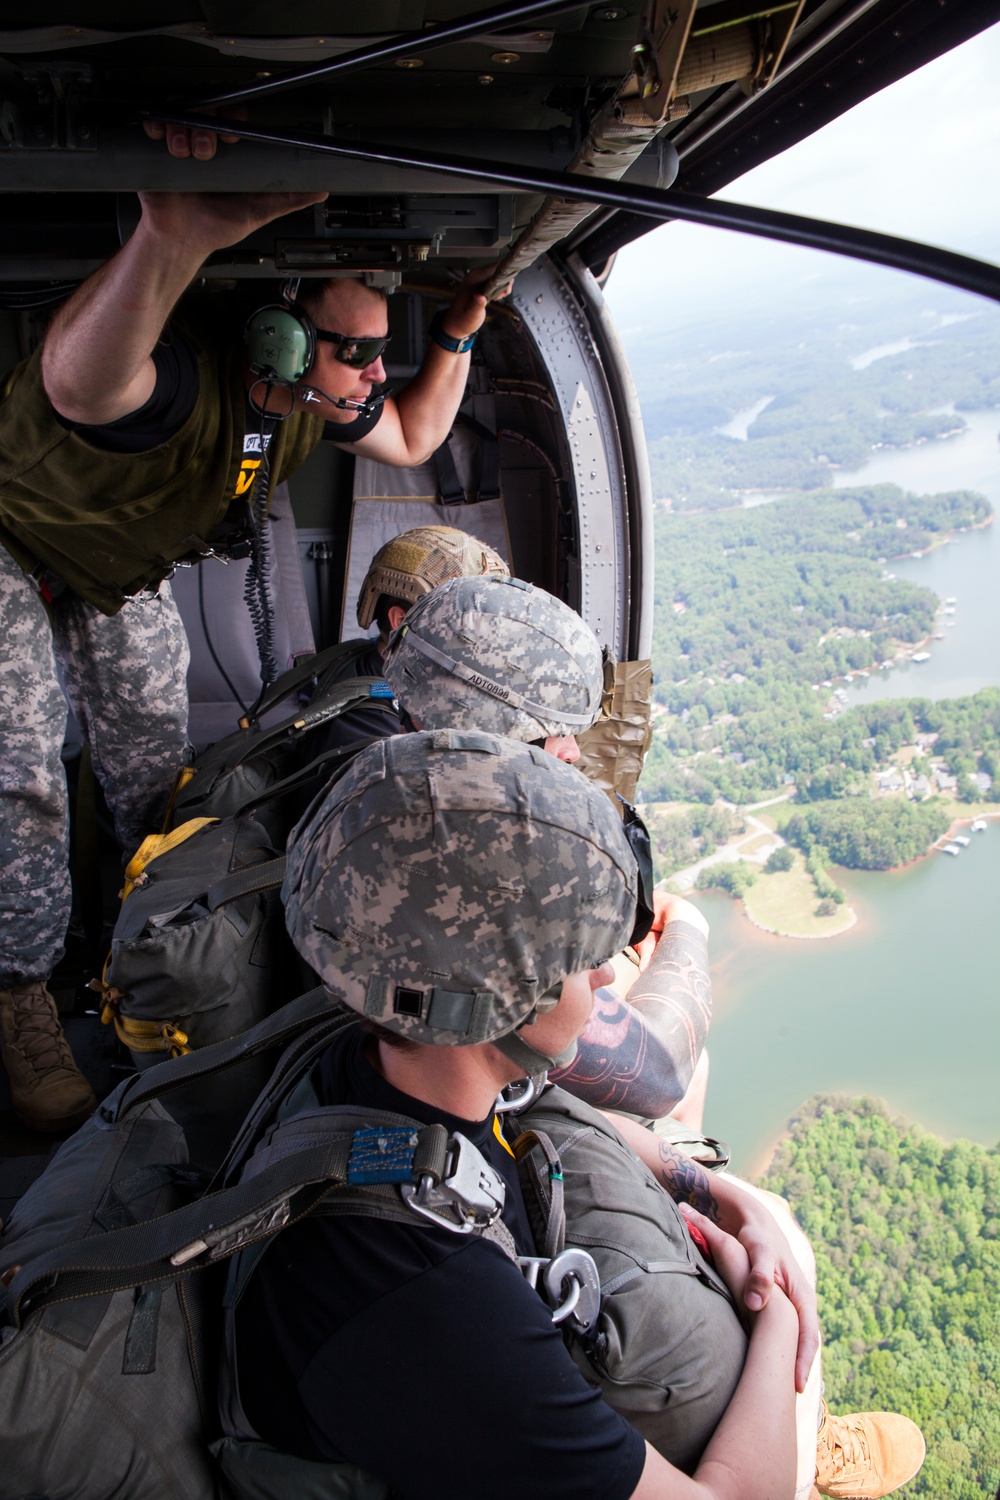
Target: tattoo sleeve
{"x": 639, "y": 1054}
{"x": 686, "y": 1181}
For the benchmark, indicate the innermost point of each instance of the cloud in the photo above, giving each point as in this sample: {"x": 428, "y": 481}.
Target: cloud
{"x": 919, "y": 159}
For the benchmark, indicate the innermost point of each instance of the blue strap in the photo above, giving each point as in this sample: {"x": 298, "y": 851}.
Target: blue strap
{"x": 381, "y": 1156}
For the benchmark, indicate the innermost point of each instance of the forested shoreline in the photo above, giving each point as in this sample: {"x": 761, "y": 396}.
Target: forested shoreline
{"x": 906, "y": 1232}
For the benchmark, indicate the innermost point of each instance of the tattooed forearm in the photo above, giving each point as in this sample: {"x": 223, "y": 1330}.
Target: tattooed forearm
{"x": 639, "y": 1054}
{"x": 674, "y": 996}
{"x": 685, "y": 1181}
{"x": 615, "y": 1067}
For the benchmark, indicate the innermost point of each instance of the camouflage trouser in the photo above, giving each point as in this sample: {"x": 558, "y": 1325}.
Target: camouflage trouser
{"x": 125, "y": 678}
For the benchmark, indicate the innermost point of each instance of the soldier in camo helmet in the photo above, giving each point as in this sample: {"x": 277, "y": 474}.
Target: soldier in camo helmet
{"x": 449, "y": 883}
{"x": 498, "y": 655}
{"x": 416, "y": 561}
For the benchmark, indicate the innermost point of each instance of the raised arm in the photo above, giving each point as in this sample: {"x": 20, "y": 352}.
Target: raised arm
{"x": 418, "y": 420}
{"x": 96, "y": 363}
{"x": 639, "y": 1054}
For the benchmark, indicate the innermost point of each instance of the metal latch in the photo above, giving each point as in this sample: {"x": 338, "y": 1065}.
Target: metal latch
{"x": 469, "y": 1196}
{"x": 571, "y": 1286}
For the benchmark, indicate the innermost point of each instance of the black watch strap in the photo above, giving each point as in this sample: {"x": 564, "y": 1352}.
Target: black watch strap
{"x": 445, "y": 340}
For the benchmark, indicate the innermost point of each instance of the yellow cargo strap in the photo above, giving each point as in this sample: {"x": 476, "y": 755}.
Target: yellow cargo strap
{"x": 138, "y": 1036}
{"x": 148, "y": 1036}
{"x": 153, "y": 846}
{"x": 144, "y": 1036}
{"x": 184, "y": 775}
{"x": 499, "y": 1135}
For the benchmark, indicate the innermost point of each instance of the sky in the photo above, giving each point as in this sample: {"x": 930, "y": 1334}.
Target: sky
{"x": 920, "y": 159}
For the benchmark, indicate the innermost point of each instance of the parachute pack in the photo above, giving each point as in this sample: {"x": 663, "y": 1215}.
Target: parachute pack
{"x": 199, "y": 951}
{"x": 113, "y": 1268}
{"x": 235, "y": 771}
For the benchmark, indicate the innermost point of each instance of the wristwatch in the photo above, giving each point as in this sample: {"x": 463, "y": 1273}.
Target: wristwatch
{"x": 445, "y": 340}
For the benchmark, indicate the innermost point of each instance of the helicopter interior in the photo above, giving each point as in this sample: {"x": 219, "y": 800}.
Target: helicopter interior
{"x": 536, "y": 137}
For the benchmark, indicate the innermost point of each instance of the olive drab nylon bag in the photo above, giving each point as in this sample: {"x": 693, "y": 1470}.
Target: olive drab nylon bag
{"x": 232, "y": 773}
{"x": 199, "y": 951}
{"x": 110, "y": 1310}
{"x": 668, "y": 1348}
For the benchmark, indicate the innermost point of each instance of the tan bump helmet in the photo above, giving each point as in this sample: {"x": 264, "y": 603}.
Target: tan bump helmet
{"x": 416, "y": 561}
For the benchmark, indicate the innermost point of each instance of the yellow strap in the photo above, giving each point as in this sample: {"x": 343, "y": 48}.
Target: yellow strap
{"x": 153, "y": 846}
{"x": 147, "y": 1036}
{"x": 499, "y": 1135}
{"x": 184, "y": 775}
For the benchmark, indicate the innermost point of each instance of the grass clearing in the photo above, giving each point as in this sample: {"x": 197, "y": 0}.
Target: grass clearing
{"x": 757, "y": 845}
{"x": 785, "y": 903}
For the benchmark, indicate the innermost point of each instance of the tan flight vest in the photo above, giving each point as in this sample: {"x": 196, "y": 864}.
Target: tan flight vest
{"x": 112, "y": 524}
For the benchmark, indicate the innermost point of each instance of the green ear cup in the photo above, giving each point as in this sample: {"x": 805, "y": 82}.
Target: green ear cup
{"x": 280, "y": 342}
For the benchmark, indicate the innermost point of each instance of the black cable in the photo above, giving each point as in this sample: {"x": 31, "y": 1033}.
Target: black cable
{"x": 209, "y": 643}
{"x": 33, "y": 298}
{"x": 257, "y": 590}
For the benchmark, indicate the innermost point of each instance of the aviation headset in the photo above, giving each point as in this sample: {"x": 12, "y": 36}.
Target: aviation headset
{"x": 281, "y": 341}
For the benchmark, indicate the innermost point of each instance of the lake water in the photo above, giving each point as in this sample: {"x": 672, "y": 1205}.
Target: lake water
{"x": 905, "y": 1006}
{"x": 739, "y": 425}
{"x": 968, "y": 569}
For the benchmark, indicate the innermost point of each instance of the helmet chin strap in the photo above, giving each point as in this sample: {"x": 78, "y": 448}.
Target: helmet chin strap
{"x": 516, "y": 1049}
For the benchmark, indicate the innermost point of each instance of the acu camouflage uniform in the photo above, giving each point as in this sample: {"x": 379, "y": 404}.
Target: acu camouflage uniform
{"x": 109, "y": 525}
{"x": 125, "y": 677}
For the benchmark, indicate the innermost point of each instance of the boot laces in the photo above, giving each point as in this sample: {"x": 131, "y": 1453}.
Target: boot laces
{"x": 847, "y": 1442}
{"x": 39, "y": 1034}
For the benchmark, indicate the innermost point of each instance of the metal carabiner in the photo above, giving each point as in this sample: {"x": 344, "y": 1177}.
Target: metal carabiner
{"x": 580, "y": 1304}
{"x": 519, "y": 1095}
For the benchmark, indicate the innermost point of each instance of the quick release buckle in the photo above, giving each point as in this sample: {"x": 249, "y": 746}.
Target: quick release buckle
{"x": 468, "y": 1197}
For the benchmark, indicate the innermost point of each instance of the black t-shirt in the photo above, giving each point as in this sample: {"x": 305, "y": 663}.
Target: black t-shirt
{"x": 171, "y": 403}
{"x": 419, "y": 1354}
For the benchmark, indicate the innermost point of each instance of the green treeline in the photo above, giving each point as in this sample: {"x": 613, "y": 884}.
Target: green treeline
{"x": 682, "y": 835}
{"x": 828, "y": 759}
{"x": 906, "y": 1232}
{"x": 865, "y": 835}
{"x": 795, "y": 591}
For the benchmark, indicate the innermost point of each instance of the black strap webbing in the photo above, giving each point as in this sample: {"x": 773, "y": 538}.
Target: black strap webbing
{"x": 450, "y": 488}
{"x": 274, "y": 1031}
{"x": 340, "y": 698}
{"x": 264, "y": 877}
{"x": 140, "y": 1254}
{"x": 308, "y": 667}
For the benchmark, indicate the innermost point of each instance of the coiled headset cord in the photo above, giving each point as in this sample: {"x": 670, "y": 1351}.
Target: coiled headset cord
{"x": 257, "y": 589}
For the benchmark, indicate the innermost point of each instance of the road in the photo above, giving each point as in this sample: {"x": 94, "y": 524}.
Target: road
{"x": 728, "y": 853}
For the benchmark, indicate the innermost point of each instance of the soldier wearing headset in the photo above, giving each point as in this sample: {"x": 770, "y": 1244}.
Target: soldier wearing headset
{"x": 129, "y": 443}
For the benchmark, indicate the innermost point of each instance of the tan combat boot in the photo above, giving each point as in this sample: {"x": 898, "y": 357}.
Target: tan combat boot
{"x": 866, "y": 1454}
{"x": 47, "y": 1089}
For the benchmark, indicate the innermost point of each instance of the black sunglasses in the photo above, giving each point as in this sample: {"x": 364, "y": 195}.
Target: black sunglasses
{"x": 358, "y": 353}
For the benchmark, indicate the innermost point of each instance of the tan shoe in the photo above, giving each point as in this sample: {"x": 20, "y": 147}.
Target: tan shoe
{"x": 47, "y": 1089}
{"x": 866, "y": 1454}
